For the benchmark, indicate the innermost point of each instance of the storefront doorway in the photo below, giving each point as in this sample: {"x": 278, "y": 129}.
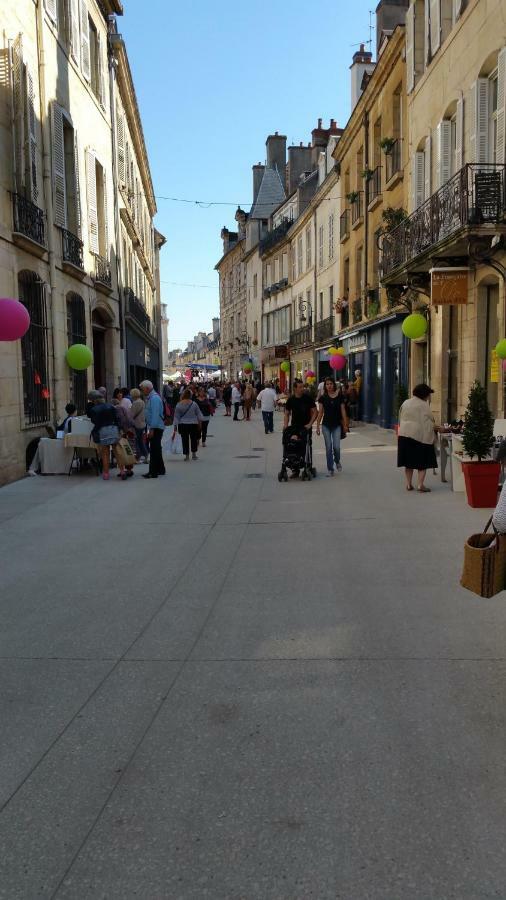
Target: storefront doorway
{"x": 375, "y": 382}
{"x": 488, "y": 336}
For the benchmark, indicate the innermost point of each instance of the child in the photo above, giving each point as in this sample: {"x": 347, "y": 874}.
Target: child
{"x": 66, "y": 425}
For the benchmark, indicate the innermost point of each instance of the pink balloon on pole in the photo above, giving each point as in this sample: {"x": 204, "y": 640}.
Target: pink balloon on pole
{"x": 14, "y": 320}
{"x": 337, "y": 362}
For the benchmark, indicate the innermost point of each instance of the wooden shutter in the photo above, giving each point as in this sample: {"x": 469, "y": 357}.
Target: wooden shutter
{"x": 459, "y": 136}
{"x": 410, "y": 48}
{"x": 443, "y": 152}
{"x": 31, "y": 182}
{"x": 500, "y": 145}
{"x": 91, "y": 192}
{"x": 58, "y": 154}
{"x": 52, "y": 10}
{"x": 75, "y": 41}
{"x": 100, "y": 73}
{"x": 106, "y": 217}
{"x": 18, "y": 93}
{"x": 426, "y": 11}
{"x": 120, "y": 137}
{"x": 417, "y": 176}
{"x": 77, "y": 185}
{"x": 427, "y": 168}
{"x": 435, "y": 26}
{"x": 85, "y": 41}
{"x": 479, "y": 121}
{"x": 458, "y": 6}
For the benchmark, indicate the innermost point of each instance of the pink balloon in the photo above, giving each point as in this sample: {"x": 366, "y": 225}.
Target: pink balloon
{"x": 337, "y": 362}
{"x": 309, "y": 373}
{"x": 14, "y": 319}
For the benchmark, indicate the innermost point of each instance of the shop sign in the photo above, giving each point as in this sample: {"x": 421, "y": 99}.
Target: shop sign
{"x": 357, "y": 344}
{"x": 448, "y": 286}
{"x": 494, "y": 368}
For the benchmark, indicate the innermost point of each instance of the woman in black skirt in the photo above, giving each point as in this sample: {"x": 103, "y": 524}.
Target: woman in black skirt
{"x": 416, "y": 437}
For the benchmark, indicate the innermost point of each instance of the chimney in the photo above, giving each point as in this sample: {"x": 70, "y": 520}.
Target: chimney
{"x": 276, "y": 154}
{"x": 299, "y": 161}
{"x": 229, "y": 238}
{"x": 389, "y": 14}
{"x": 258, "y": 174}
{"x": 216, "y": 327}
{"x": 362, "y": 64}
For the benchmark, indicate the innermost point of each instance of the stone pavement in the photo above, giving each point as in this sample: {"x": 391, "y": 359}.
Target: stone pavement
{"x": 219, "y": 686}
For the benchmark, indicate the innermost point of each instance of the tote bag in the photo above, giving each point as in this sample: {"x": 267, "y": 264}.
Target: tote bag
{"x": 484, "y": 563}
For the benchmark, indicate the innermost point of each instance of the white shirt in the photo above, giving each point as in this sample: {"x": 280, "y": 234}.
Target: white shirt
{"x": 416, "y": 422}
{"x": 236, "y": 395}
{"x": 267, "y": 399}
{"x": 212, "y": 393}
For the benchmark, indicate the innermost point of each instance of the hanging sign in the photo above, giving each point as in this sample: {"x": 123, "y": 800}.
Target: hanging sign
{"x": 448, "y": 286}
{"x": 494, "y": 368}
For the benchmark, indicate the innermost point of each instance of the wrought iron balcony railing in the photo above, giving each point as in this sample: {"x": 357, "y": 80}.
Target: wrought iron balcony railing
{"x": 475, "y": 196}
{"x": 136, "y": 309}
{"x": 393, "y": 160}
{"x": 272, "y": 237}
{"x": 356, "y": 311}
{"x": 301, "y": 336}
{"x": 374, "y": 185}
{"x": 103, "y": 272}
{"x": 72, "y": 249}
{"x": 29, "y": 220}
{"x": 356, "y": 209}
{"x": 344, "y": 225}
{"x": 324, "y": 330}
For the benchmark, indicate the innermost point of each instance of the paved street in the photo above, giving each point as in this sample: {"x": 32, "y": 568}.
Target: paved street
{"x": 219, "y": 686}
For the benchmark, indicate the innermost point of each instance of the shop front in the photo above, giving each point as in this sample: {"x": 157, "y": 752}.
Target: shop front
{"x": 379, "y": 352}
{"x": 143, "y": 359}
{"x": 302, "y": 361}
{"x": 272, "y": 357}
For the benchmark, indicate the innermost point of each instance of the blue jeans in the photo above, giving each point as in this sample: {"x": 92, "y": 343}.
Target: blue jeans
{"x": 332, "y": 437}
{"x": 268, "y": 418}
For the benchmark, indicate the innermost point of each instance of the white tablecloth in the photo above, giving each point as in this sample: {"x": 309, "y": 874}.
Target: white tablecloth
{"x": 52, "y": 457}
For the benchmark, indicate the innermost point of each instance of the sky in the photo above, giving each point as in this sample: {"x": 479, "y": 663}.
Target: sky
{"x": 212, "y": 82}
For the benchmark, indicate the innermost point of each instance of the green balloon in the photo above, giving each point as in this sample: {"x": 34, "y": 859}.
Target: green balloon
{"x": 414, "y": 326}
{"x": 79, "y": 357}
{"x": 285, "y": 366}
{"x": 501, "y": 349}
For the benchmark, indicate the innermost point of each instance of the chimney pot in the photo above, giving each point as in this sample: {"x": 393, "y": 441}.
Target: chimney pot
{"x": 319, "y": 123}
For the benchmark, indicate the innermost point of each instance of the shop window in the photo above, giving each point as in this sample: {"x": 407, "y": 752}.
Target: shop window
{"x": 34, "y": 350}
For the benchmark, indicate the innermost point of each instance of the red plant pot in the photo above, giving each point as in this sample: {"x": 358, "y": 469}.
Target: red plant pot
{"x": 482, "y": 483}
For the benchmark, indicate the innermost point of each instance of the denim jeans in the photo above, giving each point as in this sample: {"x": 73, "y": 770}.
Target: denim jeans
{"x": 268, "y": 418}
{"x": 332, "y": 437}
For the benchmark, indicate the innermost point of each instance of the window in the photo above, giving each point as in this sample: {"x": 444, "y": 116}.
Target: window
{"x": 268, "y": 275}
{"x": 331, "y": 300}
{"x": 294, "y": 264}
{"x": 359, "y": 284}
{"x": 76, "y": 334}
{"x": 299, "y": 256}
{"x": 331, "y": 236}
{"x": 285, "y": 265}
{"x": 65, "y": 159}
{"x": 25, "y": 126}
{"x": 96, "y": 182}
{"x": 492, "y": 128}
{"x": 320, "y": 311}
{"x": 346, "y": 277}
{"x": 308, "y": 248}
{"x": 34, "y": 350}
{"x": 255, "y": 284}
{"x": 276, "y": 266}
{"x": 255, "y": 331}
{"x": 376, "y": 149}
{"x": 320, "y": 246}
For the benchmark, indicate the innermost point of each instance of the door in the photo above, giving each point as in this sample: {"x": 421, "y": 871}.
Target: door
{"x": 376, "y": 386}
{"x": 99, "y": 356}
{"x": 395, "y": 383}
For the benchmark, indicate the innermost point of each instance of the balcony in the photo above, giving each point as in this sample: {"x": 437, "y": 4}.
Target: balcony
{"x": 345, "y": 316}
{"x": 29, "y": 225}
{"x": 274, "y": 236}
{"x": 135, "y": 309}
{"x": 357, "y": 212}
{"x": 394, "y": 163}
{"x": 356, "y": 311}
{"x": 324, "y": 330}
{"x": 374, "y": 188}
{"x": 372, "y": 308}
{"x": 344, "y": 225}
{"x": 301, "y": 336}
{"x": 473, "y": 202}
{"x": 72, "y": 254}
{"x": 102, "y": 275}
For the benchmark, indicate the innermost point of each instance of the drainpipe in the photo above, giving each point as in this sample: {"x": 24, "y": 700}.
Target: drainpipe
{"x": 366, "y": 211}
{"x": 48, "y": 201}
{"x": 115, "y": 40}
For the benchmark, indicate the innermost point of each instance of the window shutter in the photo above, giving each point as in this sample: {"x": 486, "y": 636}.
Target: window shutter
{"x": 52, "y": 10}
{"x": 410, "y": 48}
{"x": 479, "y": 121}
{"x": 100, "y": 73}
{"x": 458, "y": 6}
{"x": 443, "y": 150}
{"x": 120, "y": 136}
{"x": 85, "y": 41}
{"x": 77, "y": 186}
{"x": 58, "y": 153}
{"x": 18, "y": 93}
{"x": 500, "y": 145}
{"x": 31, "y": 139}
{"x": 427, "y": 168}
{"x": 75, "y": 43}
{"x": 459, "y": 136}
{"x": 106, "y": 216}
{"x": 435, "y": 26}
{"x": 91, "y": 191}
{"x": 426, "y": 11}
{"x": 418, "y": 174}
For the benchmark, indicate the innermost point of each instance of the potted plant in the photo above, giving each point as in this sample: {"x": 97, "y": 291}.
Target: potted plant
{"x": 367, "y": 174}
{"x": 387, "y": 145}
{"x": 353, "y": 196}
{"x": 481, "y": 477}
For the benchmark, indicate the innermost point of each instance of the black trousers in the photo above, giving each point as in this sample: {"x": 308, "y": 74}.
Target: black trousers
{"x": 204, "y": 431}
{"x": 189, "y": 434}
{"x": 236, "y": 411}
{"x": 156, "y": 465}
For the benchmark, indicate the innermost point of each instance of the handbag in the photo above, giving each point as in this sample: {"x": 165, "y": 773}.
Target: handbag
{"x": 123, "y": 453}
{"x": 484, "y": 562}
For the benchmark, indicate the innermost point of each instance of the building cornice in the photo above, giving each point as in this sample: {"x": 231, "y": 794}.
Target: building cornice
{"x": 236, "y": 246}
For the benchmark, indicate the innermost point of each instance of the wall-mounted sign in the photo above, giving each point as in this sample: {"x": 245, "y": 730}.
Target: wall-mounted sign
{"x": 494, "y": 368}
{"x": 357, "y": 343}
{"x": 448, "y": 286}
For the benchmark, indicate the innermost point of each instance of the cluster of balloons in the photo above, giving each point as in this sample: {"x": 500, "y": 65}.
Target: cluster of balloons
{"x": 337, "y": 361}
{"x": 310, "y": 379}
{"x": 14, "y": 319}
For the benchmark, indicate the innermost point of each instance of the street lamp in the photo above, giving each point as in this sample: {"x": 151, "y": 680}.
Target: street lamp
{"x": 305, "y": 307}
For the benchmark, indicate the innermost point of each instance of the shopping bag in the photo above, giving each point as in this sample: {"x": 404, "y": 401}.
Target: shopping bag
{"x": 123, "y": 453}
{"x": 176, "y": 445}
{"x": 484, "y": 563}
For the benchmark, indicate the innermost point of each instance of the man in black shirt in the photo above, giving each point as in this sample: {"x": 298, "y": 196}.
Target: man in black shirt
{"x": 300, "y": 408}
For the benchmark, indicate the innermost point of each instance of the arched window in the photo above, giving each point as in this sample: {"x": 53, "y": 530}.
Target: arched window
{"x": 34, "y": 350}
{"x": 76, "y": 334}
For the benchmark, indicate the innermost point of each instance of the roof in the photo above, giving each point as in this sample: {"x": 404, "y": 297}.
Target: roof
{"x": 271, "y": 193}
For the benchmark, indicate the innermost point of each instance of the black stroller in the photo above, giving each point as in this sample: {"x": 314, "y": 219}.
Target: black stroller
{"x": 297, "y": 454}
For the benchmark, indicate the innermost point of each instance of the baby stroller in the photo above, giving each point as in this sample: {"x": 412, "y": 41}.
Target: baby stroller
{"x": 297, "y": 454}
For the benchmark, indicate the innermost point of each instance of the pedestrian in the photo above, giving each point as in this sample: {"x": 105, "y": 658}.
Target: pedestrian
{"x": 416, "y": 437}
{"x": 106, "y": 431}
{"x": 267, "y": 400}
{"x": 125, "y": 426}
{"x": 236, "y": 399}
{"x": 300, "y": 408}
{"x": 333, "y": 418}
{"x": 227, "y": 398}
{"x": 212, "y": 396}
{"x": 204, "y": 405}
{"x": 155, "y": 424}
{"x": 187, "y": 421}
{"x": 138, "y": 417}
{"x": 248, "y": 398}
{"x": 126, "y": 401}
{"x": 66, "y": 425}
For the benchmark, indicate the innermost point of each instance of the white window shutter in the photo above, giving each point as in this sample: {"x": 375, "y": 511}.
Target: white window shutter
{"x": 52, "y": 9}
{"x": 417, "y": 175}
{"x": 91, "y": 193}
{"x": 75, "y": 40}
{"x": 427, "y": 168}
{"x": 58, "y": 153}
{"x": 410, "y": 48}
{"x": 106, "y": 217}
{"x": 479, "y": 121}
{"x": 426, "y": 9}
{"x": 100, "y": 73}
{"x": 459, "y": 135}
{"x": 120, "y": 138}
{"x": 458, "y": 6}
{"x": 77, "y": 186}
{"x": 443, "y": 151}
{"x": 85, "y": 41}
{"x": 500, "y": 146}
{"x": 435, "y": 26}
{"x": 32, "y": 181}
{"x": 18, "y": 93}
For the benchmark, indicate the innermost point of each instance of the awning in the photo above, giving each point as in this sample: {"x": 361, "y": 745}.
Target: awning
{"x": 196, "y": 365}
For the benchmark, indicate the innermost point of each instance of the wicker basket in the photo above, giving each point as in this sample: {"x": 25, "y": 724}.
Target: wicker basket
{"x": 484, "y": 563}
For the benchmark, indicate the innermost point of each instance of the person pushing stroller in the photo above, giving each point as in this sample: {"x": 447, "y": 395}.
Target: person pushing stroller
{"x": 300, "y": 414}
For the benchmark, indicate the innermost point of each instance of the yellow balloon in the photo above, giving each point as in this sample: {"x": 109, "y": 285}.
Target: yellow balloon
{"x": 332, "y": 351}
{"x": 342, "y": 351}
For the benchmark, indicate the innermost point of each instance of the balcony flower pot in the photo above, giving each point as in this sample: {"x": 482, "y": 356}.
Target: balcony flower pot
{"x": 482, "y": 483}
{"x": 387, "y": 145}
{"x": 481, "y": 477}
{"x": 353, "y": 196}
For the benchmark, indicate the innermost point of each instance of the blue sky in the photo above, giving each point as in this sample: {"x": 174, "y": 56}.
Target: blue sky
{"x": 212, "y": 82}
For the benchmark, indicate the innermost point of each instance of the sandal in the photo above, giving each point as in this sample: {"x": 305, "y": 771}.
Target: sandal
{"x": 424, "y": 490}
{"x": 409, "y": 487}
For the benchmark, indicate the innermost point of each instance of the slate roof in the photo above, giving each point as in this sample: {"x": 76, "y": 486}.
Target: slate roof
{"x": 270, "y": 195}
